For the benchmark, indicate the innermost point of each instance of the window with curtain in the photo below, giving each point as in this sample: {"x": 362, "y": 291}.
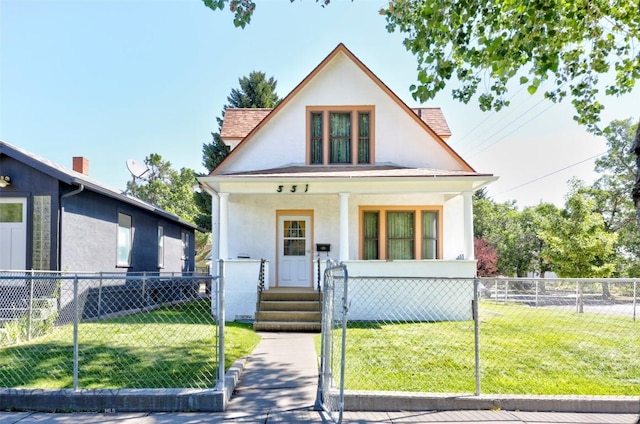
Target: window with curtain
{"x": 400, "y": 235}
{"x": 125, "y": 240}
{"x": 339, "y": 137}
{"x": 316, "y": 138}
{"x": 363, "y": 137}
{"x": 370, "y": 231}
{"x": 429, "y": 235}
{"x": 406, "y": 232}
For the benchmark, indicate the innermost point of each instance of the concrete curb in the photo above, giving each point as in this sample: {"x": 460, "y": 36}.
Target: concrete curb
{"x": 403, "y": 401}
{"x": 123, "y": 400}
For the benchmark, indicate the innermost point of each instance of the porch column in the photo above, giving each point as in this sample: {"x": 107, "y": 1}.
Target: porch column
{"x": 344, "y": 226}
{"x": 468, "y": 225}
{"x": 223, "y": 252}
{"x": 215, "y": 229}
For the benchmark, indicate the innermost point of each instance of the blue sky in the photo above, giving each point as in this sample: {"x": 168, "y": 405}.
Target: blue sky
{"x": 113, "y": 80}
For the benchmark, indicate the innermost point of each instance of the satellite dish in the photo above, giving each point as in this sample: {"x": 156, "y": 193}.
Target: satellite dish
{"x": 137, "y": 169}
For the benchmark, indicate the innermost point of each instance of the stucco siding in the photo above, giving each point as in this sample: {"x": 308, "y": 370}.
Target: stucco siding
{"x": 399, "y": 137}
{"x": 252, "y": 222}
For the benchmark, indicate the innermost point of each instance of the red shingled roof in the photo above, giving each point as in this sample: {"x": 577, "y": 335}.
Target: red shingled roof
{"x": 238, "y": 123}
{"x": 435, "y": 119}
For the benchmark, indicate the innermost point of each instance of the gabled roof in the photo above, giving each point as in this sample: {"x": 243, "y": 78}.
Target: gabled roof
{"x": 239, "y": 122}
{"x": 341, "y": 48}
{"x": 71, "y": 177}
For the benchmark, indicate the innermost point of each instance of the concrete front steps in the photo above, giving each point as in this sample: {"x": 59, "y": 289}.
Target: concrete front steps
{"x": 294, "y": 309}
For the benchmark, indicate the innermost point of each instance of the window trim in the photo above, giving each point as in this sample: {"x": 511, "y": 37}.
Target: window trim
{"x": 355, "y": 111}
{"x": 382, "y": 230}
{"x": 127, "y": 264}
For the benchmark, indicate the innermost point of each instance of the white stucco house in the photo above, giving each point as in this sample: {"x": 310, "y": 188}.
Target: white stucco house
{"x": 341, "y": 162}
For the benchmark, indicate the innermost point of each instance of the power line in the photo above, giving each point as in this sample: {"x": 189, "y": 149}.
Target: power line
{"x": 469, "y": 155}
{"x": 552, "y": 173}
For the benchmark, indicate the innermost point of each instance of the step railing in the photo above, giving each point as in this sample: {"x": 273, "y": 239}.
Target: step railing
{"x": 260, "y": 288}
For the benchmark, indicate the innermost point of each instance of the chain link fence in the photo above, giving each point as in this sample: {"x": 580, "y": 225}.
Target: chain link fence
{"x": 493, "y": 336}
{"x": 109, "y": 331}
{"x": 332, "y": 349}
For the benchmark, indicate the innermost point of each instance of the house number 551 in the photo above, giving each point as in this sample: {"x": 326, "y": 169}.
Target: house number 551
{"x": 294, "y": 189}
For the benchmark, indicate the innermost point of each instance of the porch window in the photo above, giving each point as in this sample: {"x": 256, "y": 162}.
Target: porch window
{"x": 340, "y": 135}
{"x": 429, "y": 235}
{"x": 400, "y": 235}
{"x": 390, "y": 233}
{"x": 125, "y": 240}
{"x": 370, "y": 231}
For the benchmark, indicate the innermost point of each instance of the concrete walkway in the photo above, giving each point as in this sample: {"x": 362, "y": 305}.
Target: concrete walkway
{"x": 278, "y": 385}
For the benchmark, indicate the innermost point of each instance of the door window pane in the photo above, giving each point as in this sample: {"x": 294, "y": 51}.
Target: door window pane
{"x": 294, "y": 240}
{"x": 11, "y": 212}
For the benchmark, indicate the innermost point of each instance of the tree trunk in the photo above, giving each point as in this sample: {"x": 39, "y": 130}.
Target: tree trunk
{"x": 635, "y": 193}
{"x": 606, "y": 293}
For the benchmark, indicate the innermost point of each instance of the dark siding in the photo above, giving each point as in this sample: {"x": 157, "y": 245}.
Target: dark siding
{"x": 28, "y": 182}
{"x": 89, "y": 242}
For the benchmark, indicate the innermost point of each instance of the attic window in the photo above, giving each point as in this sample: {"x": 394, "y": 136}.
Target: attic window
{"x": 340, "y": 135}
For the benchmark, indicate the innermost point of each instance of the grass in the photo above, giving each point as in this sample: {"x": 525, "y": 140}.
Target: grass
{"x": 523, "y": 350}
{"x": 169, "y": 347}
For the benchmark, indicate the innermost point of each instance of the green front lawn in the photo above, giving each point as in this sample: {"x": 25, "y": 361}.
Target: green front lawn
{"x": 523, "y": 350}
{"x": 169, "y": 347}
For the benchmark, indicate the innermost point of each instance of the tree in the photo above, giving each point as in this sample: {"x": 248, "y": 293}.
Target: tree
{"x": 576, "y": 242}
{"x": 611, "y": 193}
{"x": 256, "y": 91}
{"x": 493, "y": 42}
{"x": 166, "y": 188}
{"x": 486, "y": 257}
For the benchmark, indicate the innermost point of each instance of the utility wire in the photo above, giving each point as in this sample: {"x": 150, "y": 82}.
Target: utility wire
{"x": 552, "y": 173}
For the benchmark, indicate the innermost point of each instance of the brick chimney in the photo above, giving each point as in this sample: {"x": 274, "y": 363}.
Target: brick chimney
{"x": 81, "y": 164}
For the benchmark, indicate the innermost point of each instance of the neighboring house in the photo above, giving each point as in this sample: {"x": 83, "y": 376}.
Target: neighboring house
{"x": 342, "y": 168}
{"x": 58, "y": 219}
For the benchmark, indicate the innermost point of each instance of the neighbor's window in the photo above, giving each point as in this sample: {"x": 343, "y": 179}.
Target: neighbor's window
{"x": 399, "y": 233}
{"x": 340, "y": 135}
{"x": 186, "y": 243}
{"x": 125, "y": 240}
{"x": 160, "y": 246}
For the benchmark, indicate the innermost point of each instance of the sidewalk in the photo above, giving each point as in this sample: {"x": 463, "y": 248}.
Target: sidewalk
{"x": 278, "y": 385}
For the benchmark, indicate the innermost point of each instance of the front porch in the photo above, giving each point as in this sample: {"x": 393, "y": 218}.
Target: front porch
{"x": 296, "y": 304}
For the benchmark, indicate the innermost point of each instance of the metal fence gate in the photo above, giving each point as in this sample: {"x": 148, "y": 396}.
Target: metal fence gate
{"x": 334, "y": 329}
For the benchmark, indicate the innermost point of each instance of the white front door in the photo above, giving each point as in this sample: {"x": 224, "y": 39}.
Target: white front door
{"x": 13, "y": 233}
{"x": 294, "y": 251}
